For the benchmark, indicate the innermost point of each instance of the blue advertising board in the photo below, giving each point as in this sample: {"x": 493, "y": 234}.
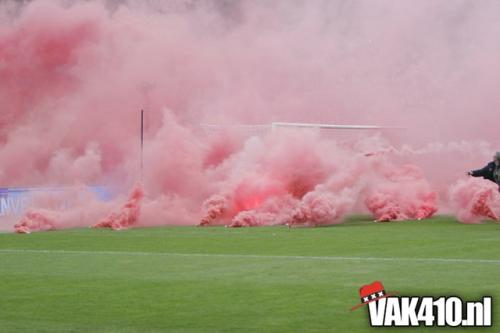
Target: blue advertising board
{"x": 15, "y": 201}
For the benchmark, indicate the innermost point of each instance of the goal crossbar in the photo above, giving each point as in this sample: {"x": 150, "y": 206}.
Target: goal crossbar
{"x": 330, "y": 126}
{"x": 275, "y": 125}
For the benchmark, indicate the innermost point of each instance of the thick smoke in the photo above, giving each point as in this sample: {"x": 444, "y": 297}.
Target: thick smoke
{"x": 475, "y": 199}
{"x": 74, "y": 75}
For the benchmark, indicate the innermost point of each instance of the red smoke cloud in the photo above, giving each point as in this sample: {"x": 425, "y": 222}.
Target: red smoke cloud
{"x": 75, "y": 75}
{"x": 475, "y": 199}
{"x": 128, "y": 215}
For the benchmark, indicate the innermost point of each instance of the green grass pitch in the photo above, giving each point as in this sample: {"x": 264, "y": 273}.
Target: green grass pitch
{"x": 269, "y": 279}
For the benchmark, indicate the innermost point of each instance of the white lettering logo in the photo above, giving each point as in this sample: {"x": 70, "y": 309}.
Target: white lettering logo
{"x": 387, "y": 310}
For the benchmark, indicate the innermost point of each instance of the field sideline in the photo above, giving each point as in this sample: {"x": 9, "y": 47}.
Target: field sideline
{"x": 269, "y": 279}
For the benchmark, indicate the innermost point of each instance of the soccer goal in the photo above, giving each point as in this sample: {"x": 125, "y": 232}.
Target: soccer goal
{"x": 262, "y": 129}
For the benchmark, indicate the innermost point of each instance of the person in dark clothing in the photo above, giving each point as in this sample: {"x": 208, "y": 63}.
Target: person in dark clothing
{"x": 491, "y": 171}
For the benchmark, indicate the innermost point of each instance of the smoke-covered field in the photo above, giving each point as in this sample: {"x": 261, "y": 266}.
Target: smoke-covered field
{"x": 215, "y": 79}
{"x": 188, "y": 279}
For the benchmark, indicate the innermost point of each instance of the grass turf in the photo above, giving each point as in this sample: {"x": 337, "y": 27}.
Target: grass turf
{"x": 270, "y": 279}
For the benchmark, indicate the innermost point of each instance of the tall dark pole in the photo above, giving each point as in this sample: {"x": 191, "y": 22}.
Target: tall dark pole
{"x": 142, "y": 144}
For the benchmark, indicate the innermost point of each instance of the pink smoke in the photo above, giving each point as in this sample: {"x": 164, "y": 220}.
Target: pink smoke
{"x": 74, "y": 207}
{"x": 316, "y": 185}
{"x": 214, "y": 208}
{"x": 75, "y": 74}
{"x": 474, "y": 199}
{"x": 128, "y": 215}
{"x": 403, "y": 194}
{"x": 322, "y": 207}
{"x": 35, "y": 221}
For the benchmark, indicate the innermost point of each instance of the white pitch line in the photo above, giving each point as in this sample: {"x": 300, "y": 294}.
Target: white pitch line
{"x": 252, "y": 256}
